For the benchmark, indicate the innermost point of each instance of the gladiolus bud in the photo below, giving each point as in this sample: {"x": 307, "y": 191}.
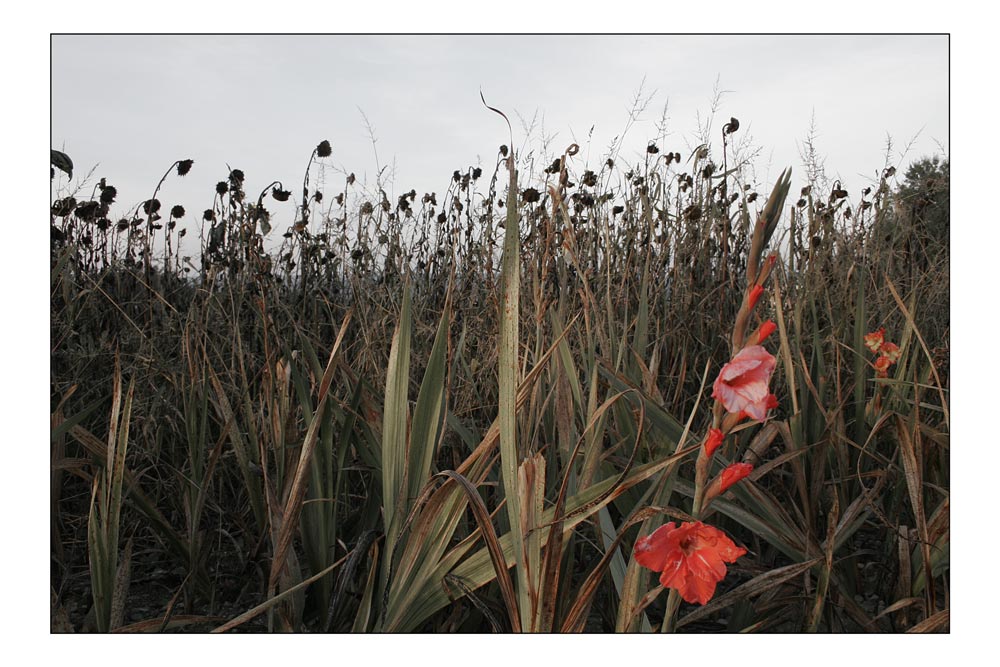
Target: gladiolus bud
{"x": 754, "y": 296}
{"x": 765, "y": 330}
{"x": 733, "y": 474}
{"x": 713, "y": 441}
{"x": 769, "y": 263}
{"x": 726, "y": 479}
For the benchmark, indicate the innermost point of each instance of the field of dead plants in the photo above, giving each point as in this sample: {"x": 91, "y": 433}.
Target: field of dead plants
{"x": 552, "y": 396}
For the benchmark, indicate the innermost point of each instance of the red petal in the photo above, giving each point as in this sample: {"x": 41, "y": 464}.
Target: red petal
{"x": 653, "y": 550}
{"x": 728, "y": 551}
{"x": 738, "y": 367}
{"x": 674, "y": 572}
{"x": 707, "y": 564}
{"x": 697, "y": 590}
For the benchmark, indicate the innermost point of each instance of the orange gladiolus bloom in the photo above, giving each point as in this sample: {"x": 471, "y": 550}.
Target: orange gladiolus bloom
{"x": 754, "y": 296}
{"x": 874, "y": 340}
{"x": 742, "y": 383}
{"x": 690, "y": 558}
{"x": 890, "y": 350}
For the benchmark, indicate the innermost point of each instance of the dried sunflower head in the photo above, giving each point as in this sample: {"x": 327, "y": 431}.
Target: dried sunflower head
{"x": 108, "y": 194}
{"x": 63, "y": 207}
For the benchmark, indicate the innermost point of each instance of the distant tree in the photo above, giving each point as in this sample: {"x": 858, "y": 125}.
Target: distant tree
{"x": 923, "y": 200}
{"x": 918, "y": 239}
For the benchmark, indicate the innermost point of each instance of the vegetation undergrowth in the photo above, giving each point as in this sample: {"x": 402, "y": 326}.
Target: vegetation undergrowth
{"x": 468, "y": 411}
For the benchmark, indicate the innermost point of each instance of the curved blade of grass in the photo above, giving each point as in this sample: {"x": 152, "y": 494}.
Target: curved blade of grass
{"x": 293, "y": 505}
{"x": 493, "y": 547}
{"x": 554, "y": 543}
{"x": 157, "y": 624}
{"x": 365, "y": 608}
{"x": 416, "y": 591}
{"x": 270, "y": 602}
{"x": 759, "y": 584}
{"x": 933, "y": 623}
{"x": 428, "y": 415}
{"x": 477, "y": 569}
{"x": 394, "y": 419}
{"x": 367, "y": 539}
{"x": 531, "y": 492}
{"x": 510, "y": 457}
{"x": 144, "y": 504}
{"x": 923, "y": 346}
{"x": 577, "y": 614}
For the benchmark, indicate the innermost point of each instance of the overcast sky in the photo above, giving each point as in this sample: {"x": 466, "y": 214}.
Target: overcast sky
{"x": 131, "y": 105}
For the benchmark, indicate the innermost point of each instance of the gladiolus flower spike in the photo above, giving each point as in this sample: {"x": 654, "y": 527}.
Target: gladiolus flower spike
{"x": 690, "y": 558}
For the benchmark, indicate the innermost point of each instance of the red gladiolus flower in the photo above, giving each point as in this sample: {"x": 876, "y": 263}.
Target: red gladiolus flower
{"x": 874, "y": 340}
{"x": 713, "y": 441}
{"x": 742, "y": 383}
{"x": 890, "y": 350}
{"x": 690, "y": 558}
{"x": 754, "y": 296}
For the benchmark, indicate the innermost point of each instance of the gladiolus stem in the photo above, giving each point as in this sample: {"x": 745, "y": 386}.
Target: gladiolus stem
{"x": 673, "y": 602}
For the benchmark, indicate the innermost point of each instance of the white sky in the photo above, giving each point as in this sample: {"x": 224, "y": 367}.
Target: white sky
{"x": 133, "y": 104}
